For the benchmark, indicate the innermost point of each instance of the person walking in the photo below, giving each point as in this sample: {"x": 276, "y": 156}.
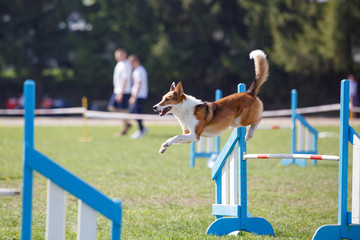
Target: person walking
{"x": 139, "y": 92}
{"x": 353, "y": 89}
{"x": 119, "y": 101}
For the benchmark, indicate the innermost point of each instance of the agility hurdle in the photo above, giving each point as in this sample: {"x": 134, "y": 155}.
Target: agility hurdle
{"x": 61, "y": 181}
{"x": 348, "y": 222}
{"x": 230, "y": 176}
{"x": 206, "y": 147}
{"x": 303, "y": 136}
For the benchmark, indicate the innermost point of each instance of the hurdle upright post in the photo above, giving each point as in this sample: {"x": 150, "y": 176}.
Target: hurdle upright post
{"x": 29, "y": 93}
{"x": 343, "y": 155}
{"x": 297, "y": 135}
{"x": 242, "y": 163}
{"x": 218, "y": 95}
{"x": 85, "y": 137}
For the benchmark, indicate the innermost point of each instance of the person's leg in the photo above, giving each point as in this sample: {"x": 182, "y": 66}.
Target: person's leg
{"x": 125, "y": 109}
{"x": 137, "y": 108}
{"x": 112, "y": 105}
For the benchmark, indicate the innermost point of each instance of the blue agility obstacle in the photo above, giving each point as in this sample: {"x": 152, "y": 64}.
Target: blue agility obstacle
{"x": 348, "y": 222}
{"x": 301, "y": 144}
{"x": 230, "y": 208}
{"x": 90, "y": 199}
{"x": 230, "y": 176}
{"x": 212, "y": 149}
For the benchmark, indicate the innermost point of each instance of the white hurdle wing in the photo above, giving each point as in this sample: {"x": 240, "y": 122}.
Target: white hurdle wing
{"x": 86, "y": 222}
{"x": 356, "y": 181}
{"x": 229, "y": 180}
{"x": 56, "y": 214}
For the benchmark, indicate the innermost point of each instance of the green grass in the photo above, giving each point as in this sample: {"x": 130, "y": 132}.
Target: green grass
{"x": 162, "y": 197}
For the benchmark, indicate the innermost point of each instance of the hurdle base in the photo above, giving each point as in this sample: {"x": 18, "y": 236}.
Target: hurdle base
{"x": 334, "y": 232}
{"x": 225, "y": 226}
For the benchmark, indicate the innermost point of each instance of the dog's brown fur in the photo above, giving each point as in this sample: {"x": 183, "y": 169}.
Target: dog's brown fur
{"x": 211, "y": 119}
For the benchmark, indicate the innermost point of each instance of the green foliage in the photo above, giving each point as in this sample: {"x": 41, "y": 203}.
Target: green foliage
{"x": 204, "y": 43}
{"x": 340, "y": 37}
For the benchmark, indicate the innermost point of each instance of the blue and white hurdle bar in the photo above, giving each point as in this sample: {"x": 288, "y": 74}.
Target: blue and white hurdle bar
{"x": 230, "y": 176}
{"x": 61, "y": 181}
{"x": 206, "y": 147}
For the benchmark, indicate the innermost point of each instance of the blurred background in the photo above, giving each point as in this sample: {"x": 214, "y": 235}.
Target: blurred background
{"x": 67, "y": 47}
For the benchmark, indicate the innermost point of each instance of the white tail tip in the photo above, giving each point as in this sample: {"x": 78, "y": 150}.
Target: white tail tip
{"x": 256, "y": 53}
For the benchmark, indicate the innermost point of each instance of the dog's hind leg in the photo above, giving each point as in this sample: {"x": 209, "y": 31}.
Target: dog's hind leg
{"x": 251, "y": 130}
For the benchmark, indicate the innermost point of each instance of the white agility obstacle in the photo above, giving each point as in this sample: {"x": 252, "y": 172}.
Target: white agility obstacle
{"x": 61, "y": 182}
{"x": 230, "y": 176}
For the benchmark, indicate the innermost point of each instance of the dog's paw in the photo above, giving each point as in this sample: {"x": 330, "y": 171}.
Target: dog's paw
{"x": 162, "y": 150}
{"x": 164, "y": 146}
{"x": 247, "y": 138}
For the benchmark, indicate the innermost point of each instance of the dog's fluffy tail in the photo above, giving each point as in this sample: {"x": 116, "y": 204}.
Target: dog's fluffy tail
{"x": 261, "y": 71}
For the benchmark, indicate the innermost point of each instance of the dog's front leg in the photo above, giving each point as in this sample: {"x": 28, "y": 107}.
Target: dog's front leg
{"x": 178, "y": 139}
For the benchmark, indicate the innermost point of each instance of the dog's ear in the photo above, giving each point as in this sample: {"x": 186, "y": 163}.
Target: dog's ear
{"x": 173, "y": 86}
{"x": 179, "y": 89}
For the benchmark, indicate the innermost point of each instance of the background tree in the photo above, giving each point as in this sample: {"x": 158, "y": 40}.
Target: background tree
{"x": 32, "y": 41}
{"x": 67, "y": 46}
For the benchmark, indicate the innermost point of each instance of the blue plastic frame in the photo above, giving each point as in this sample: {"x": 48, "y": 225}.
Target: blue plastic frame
{"x": 344, "y": 229}
{"x": 294, "y": 117}
{"x": 34, "y": 160}
{"x": 236, "y": 218}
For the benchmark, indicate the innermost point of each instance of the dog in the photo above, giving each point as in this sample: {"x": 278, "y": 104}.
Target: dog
{"x": 211, "y": 119}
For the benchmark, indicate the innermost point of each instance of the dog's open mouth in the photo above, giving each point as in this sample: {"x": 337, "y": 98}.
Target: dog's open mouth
{"x": 164, "y": 111}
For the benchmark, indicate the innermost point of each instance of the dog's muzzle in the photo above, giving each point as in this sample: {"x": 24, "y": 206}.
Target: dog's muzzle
{"x": 161, "y": 112}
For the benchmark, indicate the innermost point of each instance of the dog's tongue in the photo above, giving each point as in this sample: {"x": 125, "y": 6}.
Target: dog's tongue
{"x": 164, "y": 111}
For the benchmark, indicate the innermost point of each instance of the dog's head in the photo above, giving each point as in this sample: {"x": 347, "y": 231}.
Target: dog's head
{"x": 170, "y": 100}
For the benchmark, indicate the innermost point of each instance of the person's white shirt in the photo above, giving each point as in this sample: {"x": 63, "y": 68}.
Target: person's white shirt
{"x": 122, "y": 72}
{"x": 140, "y": 77}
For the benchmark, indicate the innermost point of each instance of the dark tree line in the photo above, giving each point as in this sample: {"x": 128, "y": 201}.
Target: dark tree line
{"x": 67, "y": 46}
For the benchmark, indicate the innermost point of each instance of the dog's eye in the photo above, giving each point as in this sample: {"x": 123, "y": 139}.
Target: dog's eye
{"x": 166, "y": 99}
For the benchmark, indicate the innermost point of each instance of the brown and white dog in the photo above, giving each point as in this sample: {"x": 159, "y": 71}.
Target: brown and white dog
{"x": 210, "y": 119}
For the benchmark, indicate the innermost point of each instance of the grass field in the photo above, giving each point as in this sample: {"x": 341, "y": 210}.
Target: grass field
{"x": 162, "y": 197}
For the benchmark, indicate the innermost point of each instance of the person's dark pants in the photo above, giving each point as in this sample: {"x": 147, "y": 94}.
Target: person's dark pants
{"x": 124, "y": 104}
{"x": 137, "y": 108}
